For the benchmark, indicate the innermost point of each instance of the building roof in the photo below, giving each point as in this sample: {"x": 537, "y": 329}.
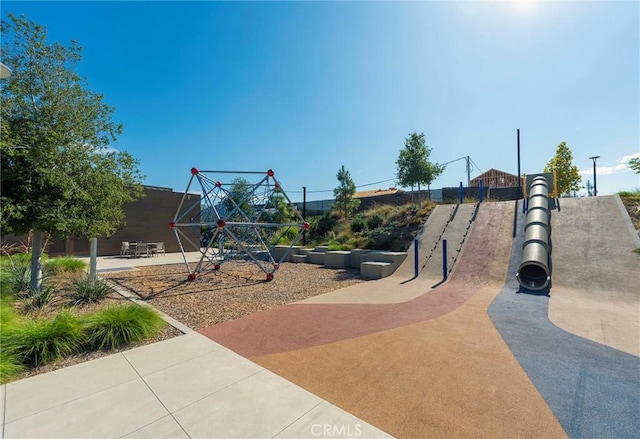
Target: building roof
{"x": 377, "y": 192}
{"x": 493, "y": 170}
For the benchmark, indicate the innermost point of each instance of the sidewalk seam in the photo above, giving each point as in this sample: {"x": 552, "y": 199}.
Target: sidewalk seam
{"x": 301, "y": 416}
{"x": 220, "y": 390}
{"x": 159, "y": 400}
{"x": 171, "y": 365}
{"x": 65, "y": 402}
{"x": 4, "y": 408}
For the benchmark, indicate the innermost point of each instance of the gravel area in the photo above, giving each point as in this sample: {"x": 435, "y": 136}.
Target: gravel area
{"x": 235, "y": 291}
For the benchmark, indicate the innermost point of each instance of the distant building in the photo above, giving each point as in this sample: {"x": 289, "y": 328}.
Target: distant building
{"x": 377, "y": 193}
{"x": 146, "y": 219}
{"x": 495, "y": 178}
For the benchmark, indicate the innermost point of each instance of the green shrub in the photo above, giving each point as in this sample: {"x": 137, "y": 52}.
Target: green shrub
{"x": 10, "y": 365}
{"x": 120, "y": 325}
{"x": 630, "y": 194}
{"x": 358, "y": 223}
{"x": 65, "y": 264}
{"x": 16, "y": 275}
{"x": 7, "y": 313}
{"x": 383, "y": 237}
{"x": 89, "y": 289}
{"x": 286, "y": 236}
{"x": 323, "y": 225}
{"x": 374, "y": 221}
{"x": 41, "y": 341}
{"x": 40, "y": 299}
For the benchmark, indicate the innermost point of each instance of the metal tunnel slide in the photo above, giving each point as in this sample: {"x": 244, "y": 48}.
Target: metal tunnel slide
{"x": 534, "y": 273}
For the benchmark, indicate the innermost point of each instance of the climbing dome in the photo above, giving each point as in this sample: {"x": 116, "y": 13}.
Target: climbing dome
{"x": 236, "y": 220}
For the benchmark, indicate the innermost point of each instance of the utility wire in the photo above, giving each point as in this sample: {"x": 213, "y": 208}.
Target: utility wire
{"x": 331, "y": 190}
{"x": 477, "y": 167}
{"x": 384, "y": 181}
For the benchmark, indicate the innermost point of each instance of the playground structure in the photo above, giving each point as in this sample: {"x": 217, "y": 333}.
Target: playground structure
{"x": 534, "y": 273}
{"x": 237, "y": 221}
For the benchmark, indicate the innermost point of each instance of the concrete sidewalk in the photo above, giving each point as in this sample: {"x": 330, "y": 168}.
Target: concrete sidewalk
{"x": 185, "y": 387}
{"x": 120, "y": 263}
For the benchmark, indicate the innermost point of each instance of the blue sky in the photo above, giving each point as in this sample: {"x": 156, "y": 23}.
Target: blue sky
{"x": 304, "y": 88}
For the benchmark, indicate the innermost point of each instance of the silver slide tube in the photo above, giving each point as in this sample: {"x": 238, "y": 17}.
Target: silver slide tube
{"x": 534, "y": 273}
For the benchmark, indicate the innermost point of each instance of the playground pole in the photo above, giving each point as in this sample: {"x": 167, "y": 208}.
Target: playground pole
{"x": 304, "y": 214}
{"x": 519, "y": 176}
{"x": 415, "y": 257}
{"x": 444, "y": 259}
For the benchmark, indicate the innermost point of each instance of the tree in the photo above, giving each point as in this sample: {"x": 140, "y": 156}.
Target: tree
{"x": 566, "y": 172}
{"x": 634, "y": 164}
{"x": 240, "y": 197}
{"x": 344, "y": 193}
{"x": 59, "y": 176}
{"x": 413, "y": 166}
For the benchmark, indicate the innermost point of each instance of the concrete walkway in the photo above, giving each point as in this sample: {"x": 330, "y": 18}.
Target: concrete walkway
{"x": 121, "y": 263}
{"x": 184, "y": 387}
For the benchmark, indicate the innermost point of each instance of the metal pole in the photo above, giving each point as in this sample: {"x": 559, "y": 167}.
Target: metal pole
{"x": 304, "y": 213}
{"x": 519, "y": 176}
{"x": 595, "y": 190}
{"x": 415, "y": 257}
{"x": 444, "y": 259}
{"x": 480, "y": 193}
{"x": 595, "y": 183}
{"x": 468, "y": 172}
{"x": 461, "y": 192}
{"x": 93, "y": 262}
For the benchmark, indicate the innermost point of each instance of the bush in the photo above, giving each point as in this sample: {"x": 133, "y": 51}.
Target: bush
{"x": 374, "y": 221}
{"x": 121, "y": 325}
{"x": 320, "y": 227}
{"x": 90, "y": 289}
{"x": 7, "y": 313}
{"x": 65, "y": 264}
{"x": 630, "y": 194}
{"x": 10, "y": 365}
{"x": 16, "y": 275}
{"x": 358, "y": 223}
{"x": 42, "y": 341}
{"x": 40, "y": 299}
{"x": 286, "y": 236}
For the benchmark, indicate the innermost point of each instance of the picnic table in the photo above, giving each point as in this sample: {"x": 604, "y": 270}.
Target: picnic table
{"x": 142, "y": 248}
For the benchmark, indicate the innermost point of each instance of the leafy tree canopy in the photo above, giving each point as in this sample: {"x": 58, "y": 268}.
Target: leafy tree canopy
{"x": 59, "y": 175}
{"x": 413, "y": 165}
{"x": 345, "y": 203}
{"x": 634, "y": 164}
{"x": 240, "y": 199}
{"x": 566, "y": 172}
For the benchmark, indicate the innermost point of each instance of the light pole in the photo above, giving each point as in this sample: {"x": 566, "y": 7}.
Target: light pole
{"x": 595, "y": 186}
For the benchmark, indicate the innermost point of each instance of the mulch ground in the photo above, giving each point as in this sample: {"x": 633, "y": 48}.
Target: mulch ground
{"x": 234, "y": 292}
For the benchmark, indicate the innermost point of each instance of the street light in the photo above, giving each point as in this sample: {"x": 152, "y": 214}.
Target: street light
{"x": 595, "y": 190}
